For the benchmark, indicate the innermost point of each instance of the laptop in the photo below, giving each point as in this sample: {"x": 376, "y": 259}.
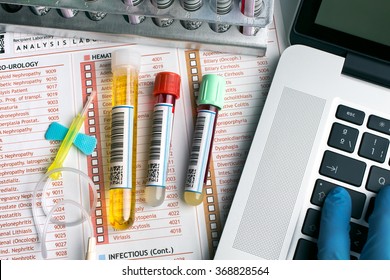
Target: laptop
{"x": 326, "y": 123}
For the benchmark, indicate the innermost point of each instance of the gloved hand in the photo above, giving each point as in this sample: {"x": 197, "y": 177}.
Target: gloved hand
{"x": 333, "y": 240}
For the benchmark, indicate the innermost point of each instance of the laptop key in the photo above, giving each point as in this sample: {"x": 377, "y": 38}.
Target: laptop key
{"x": 306, "y": 250}
{"x": 373, "y": 147}
{"x": 311, "y": 227}
{"x": 322, "y": 188}
{"x": 379, "y": 124}
{"x": 343, "y": 137}
{"x": 342, "y": 168}
{"x": 358, "y": 235}
{"x": 377, "y": 178}
{"x": 350, "y": 114}
{"x": 312, "y": 223}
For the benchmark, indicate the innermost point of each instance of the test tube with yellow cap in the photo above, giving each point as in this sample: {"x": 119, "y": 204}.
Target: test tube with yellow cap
{"x": 125, "y": 64}
{"x": 210, "y": 101}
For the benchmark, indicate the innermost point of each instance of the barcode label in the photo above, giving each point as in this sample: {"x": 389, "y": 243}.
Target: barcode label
{"x": 121, "y": 146}
{"x": 2, "y": 44}
{"x": 155, "y": 143}
{"x": 117, "y": 136}
{"x": 197, "y": 139}
{"x": 200, "y": 150}
{"x": 159, "y": 144}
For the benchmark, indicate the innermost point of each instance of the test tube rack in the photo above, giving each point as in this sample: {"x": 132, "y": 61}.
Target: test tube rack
{"x": 116, "y": 25}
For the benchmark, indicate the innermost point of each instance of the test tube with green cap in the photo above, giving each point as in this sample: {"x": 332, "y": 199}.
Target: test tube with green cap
{"x": 210, "y": 101}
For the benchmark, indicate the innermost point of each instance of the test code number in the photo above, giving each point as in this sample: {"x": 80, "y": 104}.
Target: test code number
{"x": 242, "y": 270}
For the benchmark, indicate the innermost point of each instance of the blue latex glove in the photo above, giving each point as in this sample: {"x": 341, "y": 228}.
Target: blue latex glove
{"x": 333, "y": 240}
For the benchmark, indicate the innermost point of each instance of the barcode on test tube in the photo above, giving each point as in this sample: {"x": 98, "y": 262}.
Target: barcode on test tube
{"x": 197, "y": 139}
{"x": 155, "y": 145}
{"x": 117, "y": 136}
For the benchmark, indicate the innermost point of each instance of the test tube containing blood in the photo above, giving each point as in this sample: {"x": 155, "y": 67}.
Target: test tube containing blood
{"x": 166, "y": 91}
{"x": 210, "y": 101}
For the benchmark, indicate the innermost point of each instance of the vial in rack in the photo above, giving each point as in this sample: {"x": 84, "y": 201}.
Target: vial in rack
{"x": 134, "y": 19}
{"x": 221, "y": 7}
{"x": 162, "y": 4}
{"x": 191, "y": 6}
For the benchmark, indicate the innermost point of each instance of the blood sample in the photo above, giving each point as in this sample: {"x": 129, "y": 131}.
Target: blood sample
{"x": 167, "y": 91}
{"x": 210, "y": 101}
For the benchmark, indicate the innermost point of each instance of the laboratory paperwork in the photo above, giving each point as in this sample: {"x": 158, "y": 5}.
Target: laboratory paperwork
{"x": 44, "y": 79}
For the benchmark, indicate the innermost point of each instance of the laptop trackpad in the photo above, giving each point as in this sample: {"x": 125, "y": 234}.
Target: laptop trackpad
{"x": 270, "y": 205}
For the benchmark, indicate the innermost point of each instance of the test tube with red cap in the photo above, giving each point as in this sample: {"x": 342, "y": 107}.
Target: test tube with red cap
{"x": 166, "y": 91}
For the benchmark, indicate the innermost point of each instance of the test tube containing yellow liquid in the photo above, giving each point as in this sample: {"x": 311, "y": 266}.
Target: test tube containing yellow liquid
{"x": 125, "y": 64}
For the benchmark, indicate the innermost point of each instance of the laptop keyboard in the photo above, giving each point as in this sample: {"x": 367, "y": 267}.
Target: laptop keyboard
{"x": 342, "y": 166}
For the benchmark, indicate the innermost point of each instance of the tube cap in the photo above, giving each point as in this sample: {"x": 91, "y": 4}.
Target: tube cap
{"x": 212, "y": 90}
{"x": 124, "y": 58}
{"x": 167, "y": 83}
